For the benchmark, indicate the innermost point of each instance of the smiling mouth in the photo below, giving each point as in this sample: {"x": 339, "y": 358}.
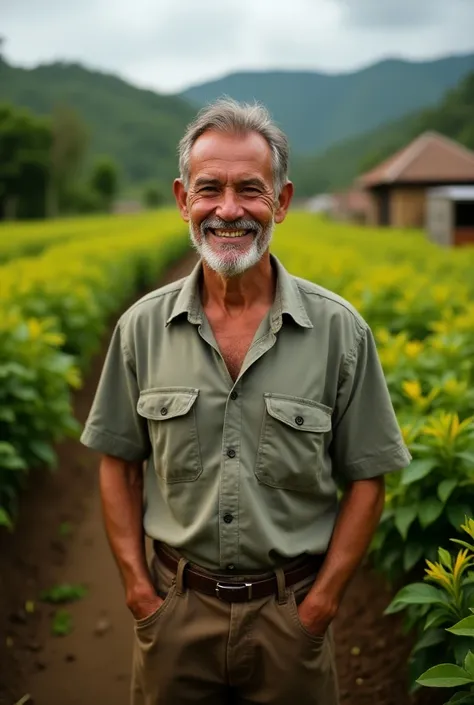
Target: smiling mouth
{"x": 229, "y": 234}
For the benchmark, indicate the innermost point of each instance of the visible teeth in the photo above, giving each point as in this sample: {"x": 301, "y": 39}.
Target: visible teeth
{"x": 229, "y": 233}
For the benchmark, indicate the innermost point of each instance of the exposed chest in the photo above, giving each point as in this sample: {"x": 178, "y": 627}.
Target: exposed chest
{"x": 234, "y": 339}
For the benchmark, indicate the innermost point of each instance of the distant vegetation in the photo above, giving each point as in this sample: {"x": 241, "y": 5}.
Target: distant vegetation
{"x": 72, "y": 139}
{"x": 319, "y": 110}
{"x": 337, "y": 167}
{"x": 138, "y": 128}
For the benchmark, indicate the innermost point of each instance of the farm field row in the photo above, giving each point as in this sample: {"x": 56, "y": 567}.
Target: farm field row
{"x": 53, "y": 311}
{"x": 419, "y": 301}
{"x": 417, "y": 298}
{"x": 28, "y": 238}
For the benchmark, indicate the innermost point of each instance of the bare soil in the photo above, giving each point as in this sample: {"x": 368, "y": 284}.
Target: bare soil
{"x": 91, "y": 665}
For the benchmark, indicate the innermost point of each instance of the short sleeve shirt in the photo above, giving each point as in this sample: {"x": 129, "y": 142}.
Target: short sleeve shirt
{"x": 245, "y": 474}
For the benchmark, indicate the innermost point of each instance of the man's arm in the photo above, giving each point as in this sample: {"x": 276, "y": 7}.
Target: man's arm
{"x": 121, "y": 487}
{"x": 360, "y": 513}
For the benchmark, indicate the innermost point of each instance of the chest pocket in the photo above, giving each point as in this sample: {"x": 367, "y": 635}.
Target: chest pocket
{"x": 292, "y": 440}
{"x": 171, "y": 416}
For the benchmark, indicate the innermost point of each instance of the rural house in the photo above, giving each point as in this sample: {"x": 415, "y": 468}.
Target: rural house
{"x": 398, "y": 186}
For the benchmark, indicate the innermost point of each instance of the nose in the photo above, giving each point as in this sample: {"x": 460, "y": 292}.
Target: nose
{"x": 229, "y": 207}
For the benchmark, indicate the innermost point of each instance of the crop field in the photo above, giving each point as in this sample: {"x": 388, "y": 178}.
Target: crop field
{"x": 61, "y": 283}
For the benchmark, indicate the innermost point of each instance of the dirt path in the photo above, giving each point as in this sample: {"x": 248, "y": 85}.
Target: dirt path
{"x": 91, "y": 665}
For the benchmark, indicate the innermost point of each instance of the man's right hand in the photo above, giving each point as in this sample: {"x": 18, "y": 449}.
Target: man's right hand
{"x": 143, "y": 603}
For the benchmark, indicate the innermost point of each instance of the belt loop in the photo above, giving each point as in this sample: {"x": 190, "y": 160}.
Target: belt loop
{"x": 281, "y": 583}
{"x": 180, "y": 576}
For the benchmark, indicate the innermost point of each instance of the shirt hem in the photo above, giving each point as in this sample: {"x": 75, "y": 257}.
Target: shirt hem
{"x": 110, "y": 444}
{"x": 396, "y": 458}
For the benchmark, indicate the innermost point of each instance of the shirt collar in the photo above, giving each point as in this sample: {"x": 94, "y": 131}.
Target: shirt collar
{"x": 287, "y": 299}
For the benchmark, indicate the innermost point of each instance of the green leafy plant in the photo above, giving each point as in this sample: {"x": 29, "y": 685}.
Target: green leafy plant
{"x": 442, "y": 616}
{"x": 428, "y": 498}
{"x": 62, "y": 624}
{"x": 63, "y": 593}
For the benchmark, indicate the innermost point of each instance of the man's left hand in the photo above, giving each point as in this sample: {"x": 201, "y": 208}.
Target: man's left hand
{"x": 316, "y": 613}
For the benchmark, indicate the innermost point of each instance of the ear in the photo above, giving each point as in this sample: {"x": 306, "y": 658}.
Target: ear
{"x": 283, "y": 203}
{"x": 180, "y": 195}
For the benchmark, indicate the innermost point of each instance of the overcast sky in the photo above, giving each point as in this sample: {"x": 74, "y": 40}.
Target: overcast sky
{"x": 171, "y": 44}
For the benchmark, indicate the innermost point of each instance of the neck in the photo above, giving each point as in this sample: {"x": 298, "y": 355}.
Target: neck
{"x": 235, "y": 294}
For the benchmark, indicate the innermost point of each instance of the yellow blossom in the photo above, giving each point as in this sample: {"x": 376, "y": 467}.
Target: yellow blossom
{"x": 412, "y": 389}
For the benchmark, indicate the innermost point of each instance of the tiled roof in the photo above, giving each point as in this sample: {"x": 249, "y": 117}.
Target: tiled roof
{"x": 430, "y": 157}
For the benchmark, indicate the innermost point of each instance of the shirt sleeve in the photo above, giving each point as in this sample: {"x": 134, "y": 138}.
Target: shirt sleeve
{"x": 113, "y": 426}
{"x": 367, "y": 440}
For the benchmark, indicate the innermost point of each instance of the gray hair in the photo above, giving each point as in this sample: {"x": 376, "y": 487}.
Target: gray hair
{"x": 227, "y": 115}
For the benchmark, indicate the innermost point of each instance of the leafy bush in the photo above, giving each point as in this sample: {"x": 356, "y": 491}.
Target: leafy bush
{"x": 419, "y": 300}
{"x": 53, "y": 312}
{"x": 431, "y": 496}
{"x": 442, "y": 617}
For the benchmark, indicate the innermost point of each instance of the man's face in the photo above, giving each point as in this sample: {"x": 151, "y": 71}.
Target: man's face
{"x": 230, "y": 203}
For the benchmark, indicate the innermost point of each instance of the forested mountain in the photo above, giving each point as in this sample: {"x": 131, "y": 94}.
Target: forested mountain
{"x": 138, "y": 128}
{"x": 318, "y": 110}
{"x": 338, "y": 166}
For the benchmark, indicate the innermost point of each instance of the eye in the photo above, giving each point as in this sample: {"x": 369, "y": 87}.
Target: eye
{"x": 251, "y": 189}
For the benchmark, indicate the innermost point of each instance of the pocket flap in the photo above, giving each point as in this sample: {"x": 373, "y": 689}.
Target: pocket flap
{"x": 300, "y": 414}
{"x": 166, "y": 403}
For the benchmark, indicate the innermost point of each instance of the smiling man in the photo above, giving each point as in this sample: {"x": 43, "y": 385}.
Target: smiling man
{"x": 232, "y": 406}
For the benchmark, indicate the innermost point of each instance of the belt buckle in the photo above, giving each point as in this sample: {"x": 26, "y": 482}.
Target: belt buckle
{"x": 233, "y": 588}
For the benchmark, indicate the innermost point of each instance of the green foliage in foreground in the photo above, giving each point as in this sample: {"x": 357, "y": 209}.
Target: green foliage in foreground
{"x": 54, "y": 310}
{"x": 442, "y": 614}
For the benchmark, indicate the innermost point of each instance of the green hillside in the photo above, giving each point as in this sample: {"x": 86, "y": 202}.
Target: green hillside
{"x": 338, "y": 166}
{"x": 318, "y": 110}
{"x": 139, "y": 128}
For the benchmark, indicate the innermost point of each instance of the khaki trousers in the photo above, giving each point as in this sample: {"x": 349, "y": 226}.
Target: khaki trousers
{"x": 198, "y": 649}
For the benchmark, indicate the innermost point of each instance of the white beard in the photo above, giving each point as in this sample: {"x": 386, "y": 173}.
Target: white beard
{"x": 233, "y": 262}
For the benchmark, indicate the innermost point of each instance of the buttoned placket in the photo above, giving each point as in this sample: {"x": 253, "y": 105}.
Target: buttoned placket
{"x": 229, "y": 517}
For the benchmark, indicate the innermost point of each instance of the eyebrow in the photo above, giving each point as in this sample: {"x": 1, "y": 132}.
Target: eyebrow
{"x": 252, "y": 182}
{"x": 208, "y": 181}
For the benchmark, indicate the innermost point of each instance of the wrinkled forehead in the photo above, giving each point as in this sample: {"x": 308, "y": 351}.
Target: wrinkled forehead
{"x": 231, "y": 156}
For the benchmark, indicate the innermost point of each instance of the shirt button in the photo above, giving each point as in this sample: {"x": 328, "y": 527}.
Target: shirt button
{"x": 163, "y": 411}
{"x": 299, "y": 420}
{"x": 231, "y": 453}
{"x": 233, "y": 395}
{"x": 228, "y": 518}
{"x": 231, "y": 566}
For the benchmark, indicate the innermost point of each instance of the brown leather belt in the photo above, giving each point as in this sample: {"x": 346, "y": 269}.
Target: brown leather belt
{"x": 244, "y": 591}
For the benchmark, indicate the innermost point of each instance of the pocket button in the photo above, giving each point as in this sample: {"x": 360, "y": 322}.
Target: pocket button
{"x": 164, "y": 411}
{"x": 299, "y": 421}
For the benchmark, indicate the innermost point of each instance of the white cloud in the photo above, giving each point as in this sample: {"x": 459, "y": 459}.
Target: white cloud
{"x": 170, "y": 44}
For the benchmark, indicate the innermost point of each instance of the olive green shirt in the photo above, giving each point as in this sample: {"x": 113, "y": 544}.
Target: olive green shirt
{"x": 245, "y": 475}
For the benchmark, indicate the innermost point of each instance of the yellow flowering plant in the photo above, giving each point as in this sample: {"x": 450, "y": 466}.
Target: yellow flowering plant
{"x": 53, "y": 311}
{"x": 429, "y": 497}
{"x": 441, "y": 610}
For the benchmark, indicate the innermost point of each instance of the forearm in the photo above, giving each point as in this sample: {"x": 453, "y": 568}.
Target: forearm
{"x": 121, "y": 487}
{"x": 360, "y": 512}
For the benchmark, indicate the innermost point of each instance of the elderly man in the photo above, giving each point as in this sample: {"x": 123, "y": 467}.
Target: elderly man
{"x": 232, "y": 405}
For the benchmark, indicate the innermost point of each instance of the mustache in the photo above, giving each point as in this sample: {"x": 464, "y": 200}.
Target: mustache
{"x": 239, "y": 224}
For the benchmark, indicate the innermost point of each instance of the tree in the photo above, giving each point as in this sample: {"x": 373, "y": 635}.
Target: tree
{"x": 153, "y": 195}
{"x": 25, "y": 163}
{"x": 70, "y": 139}
{"x": 105, "y": 180}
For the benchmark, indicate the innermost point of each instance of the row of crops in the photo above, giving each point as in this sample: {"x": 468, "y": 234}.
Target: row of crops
{"x": 419, "y": 301}
{"x": 54, "y": 308}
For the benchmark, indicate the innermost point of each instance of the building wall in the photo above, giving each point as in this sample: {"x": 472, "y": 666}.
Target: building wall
{"x": 373, "y": 210}
{"x": 407, "y": 207}
{"x": 439, "y": 220}
{"x": 464, "y": 236}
